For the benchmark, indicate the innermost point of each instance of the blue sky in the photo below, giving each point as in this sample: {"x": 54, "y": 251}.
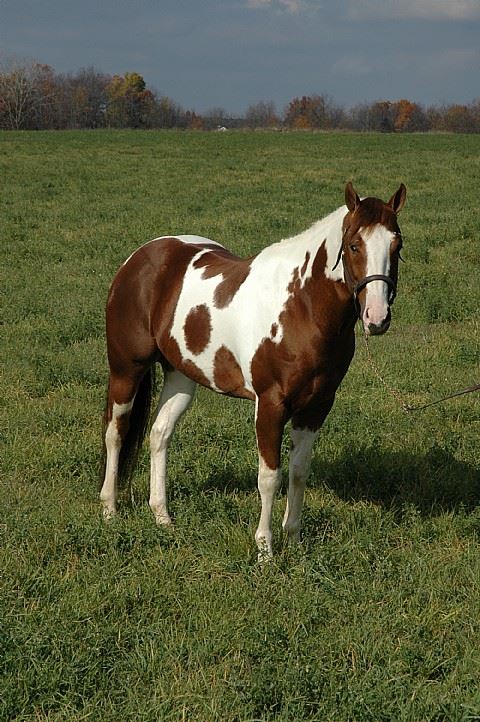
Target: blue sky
{"x": 231, "y": 53}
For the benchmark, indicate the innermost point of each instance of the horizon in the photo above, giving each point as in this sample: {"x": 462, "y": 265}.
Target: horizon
{"x": 236, "y": 53}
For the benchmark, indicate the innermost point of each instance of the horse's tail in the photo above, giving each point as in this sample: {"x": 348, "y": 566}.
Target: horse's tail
{"x": 138, "y": 423}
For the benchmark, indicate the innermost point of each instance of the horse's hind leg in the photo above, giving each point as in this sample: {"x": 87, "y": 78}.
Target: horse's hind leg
{"x": 125, "y": 417}
{"x": 176, "y": 397}
{"x": 117, "y": 420}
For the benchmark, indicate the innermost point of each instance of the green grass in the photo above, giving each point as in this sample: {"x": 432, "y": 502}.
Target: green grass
{"x": 377, "y": 616}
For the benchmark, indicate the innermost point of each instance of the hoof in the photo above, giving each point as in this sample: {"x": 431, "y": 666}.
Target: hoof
{"x": 264, "y": 558}
{"x": 265, "y": 553}
{"x": 108, "y": 513}
{"x": 164, "y": 520}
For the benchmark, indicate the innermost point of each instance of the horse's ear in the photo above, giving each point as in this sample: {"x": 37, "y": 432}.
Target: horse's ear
{"x": 351, "y": 197}
{"x": 397, "y": 201}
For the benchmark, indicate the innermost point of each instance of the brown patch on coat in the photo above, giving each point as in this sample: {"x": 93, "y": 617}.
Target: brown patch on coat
{"x": 234, "y": 270}
{"x": 271, "y": 418}
{"x": 274, "y": 330}
{"x": 305, "y": 264}
{"x": 197, "y": 329}
{"x": 228, "y": 376}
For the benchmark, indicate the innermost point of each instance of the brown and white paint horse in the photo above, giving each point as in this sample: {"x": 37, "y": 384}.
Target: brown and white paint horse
{"x": 277, "y": 328}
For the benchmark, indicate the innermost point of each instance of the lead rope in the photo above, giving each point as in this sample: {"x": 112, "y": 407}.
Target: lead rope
{"x": 396, "y": 395}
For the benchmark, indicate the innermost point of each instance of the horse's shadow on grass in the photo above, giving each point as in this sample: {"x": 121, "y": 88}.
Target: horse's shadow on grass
{"x": 432, "y": 483}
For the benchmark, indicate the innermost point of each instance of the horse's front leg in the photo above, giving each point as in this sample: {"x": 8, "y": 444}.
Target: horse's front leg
{"x": 299, "y": 468}
{"x": 305, "y": 428}
{"x": 270, "y": 420}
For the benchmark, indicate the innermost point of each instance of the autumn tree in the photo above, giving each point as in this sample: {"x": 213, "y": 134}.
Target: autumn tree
{"x": 308, "y": 112}
{"x": 403, "y": 113}
{"x": 460, "y": 119}
{"x": 129, "y": 103}
{"x": 409, "y": 116}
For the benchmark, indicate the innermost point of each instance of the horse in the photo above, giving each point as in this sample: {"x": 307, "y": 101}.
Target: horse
{"x": 276, "y": 328}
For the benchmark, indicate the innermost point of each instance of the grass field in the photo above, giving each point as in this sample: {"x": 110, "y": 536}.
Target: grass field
{"x": 377, "y": 616}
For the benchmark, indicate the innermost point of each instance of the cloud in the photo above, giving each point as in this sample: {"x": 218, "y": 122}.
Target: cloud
{"x": 289, "y": 6}
{"x": 414, "y": 10}
{"x": 351, "y": 66}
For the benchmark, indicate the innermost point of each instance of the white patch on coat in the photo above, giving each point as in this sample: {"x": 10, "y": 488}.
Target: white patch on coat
{"x": 199, "y": 240}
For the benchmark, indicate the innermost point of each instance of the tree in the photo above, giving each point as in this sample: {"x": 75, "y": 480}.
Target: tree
{"x": 308, "y": 112}
{"x": 382, "y": 115}
{"x": 359, "y": 117}
{"x": 214, "y": 118}
{"x": 459, "y": 119}
{"x": 89, "y": 89}
{"x": 20, "y": 93}
{"x": 261, "y": 115}
{"x": 409, "y": 117}
{"x": 168, "y": 114}
{"x": 314, "y": 111}
{"x": 403, "y": 113}
{"x": 129, "y": 103}
{"x": 193, "y": 121}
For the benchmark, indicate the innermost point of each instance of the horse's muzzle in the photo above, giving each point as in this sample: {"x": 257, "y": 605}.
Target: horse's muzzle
{"x": 377, "y": 329}
{"x": 374, "y": 329}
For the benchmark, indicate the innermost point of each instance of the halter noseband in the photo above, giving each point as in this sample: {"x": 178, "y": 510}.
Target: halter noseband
{"x": 392, "y": 288}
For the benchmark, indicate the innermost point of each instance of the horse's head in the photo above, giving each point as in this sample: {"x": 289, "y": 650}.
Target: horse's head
{"x": 370, "y": 251}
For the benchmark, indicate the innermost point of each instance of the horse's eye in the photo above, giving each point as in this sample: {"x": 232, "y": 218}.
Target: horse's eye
{"x": 354, "y": 247}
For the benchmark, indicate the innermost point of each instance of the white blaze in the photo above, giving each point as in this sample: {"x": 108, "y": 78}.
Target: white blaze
{"x": 378, "y": 242}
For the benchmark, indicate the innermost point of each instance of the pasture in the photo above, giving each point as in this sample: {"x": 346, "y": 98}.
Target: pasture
{"x": 377, "y": 615}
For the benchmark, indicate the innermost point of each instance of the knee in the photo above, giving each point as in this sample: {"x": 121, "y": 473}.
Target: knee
{"x": 269, "y": 480}
{"x": 298, "y": 475}
{"x": 159, "y": 436}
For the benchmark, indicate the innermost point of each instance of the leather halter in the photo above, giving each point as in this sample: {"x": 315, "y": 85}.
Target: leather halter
{"x": 358, "y": 285}
{"x": 392, "y": 288}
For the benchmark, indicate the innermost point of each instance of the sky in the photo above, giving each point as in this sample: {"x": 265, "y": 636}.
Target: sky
{"x": 206, "y": 54}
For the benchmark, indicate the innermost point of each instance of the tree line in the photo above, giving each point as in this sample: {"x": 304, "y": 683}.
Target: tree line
{"x": 35, "y": 97}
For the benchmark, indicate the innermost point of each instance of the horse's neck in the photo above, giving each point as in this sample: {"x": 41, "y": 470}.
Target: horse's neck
{"x": 328, "y": 232}
{"x": 301, "y": 250}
